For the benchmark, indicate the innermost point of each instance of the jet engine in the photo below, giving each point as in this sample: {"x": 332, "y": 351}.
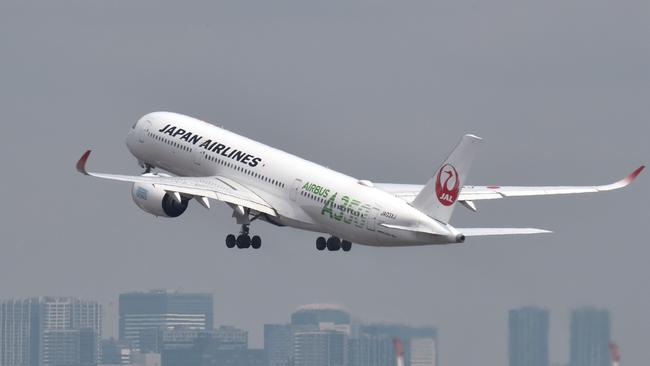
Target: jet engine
{"x": 157, "y": 201}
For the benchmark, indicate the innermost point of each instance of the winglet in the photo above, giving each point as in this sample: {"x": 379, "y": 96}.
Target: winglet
{"x": 623, "y": 182}
{"x": 634, "y": 174}
{"x": 81, "y": 164}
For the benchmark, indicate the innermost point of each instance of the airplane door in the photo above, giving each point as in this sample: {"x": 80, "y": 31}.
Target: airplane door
{"x": 142, "y": 132}
{"x": 197, "y": 155}
{"x": 372, "y": 218}
{"x": 295, "y": 189}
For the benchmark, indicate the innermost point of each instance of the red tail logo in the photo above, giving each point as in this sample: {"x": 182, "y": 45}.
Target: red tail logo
{"x": 447, "y": 185}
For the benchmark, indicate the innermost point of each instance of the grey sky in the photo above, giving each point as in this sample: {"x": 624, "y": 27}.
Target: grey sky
{"x": 380, "y": 90}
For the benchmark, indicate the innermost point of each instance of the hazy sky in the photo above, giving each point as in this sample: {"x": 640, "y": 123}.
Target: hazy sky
{"x": 381, "y": 90}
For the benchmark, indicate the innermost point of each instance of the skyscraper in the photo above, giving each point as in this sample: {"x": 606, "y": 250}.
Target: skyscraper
{"x": 140, "y": 311}
{"x": 317, "y": 316}
{"x": 371, "y": 350}
{"x": 48, "y": 331}
{"x": 320, "y": 348}
{"x": 231, "y": 338}
{"x": 590, "y": 336}
{"x": 426, "y": 339}
{"x": 115, "y": 352}
{"x": 19, "y": 332}
{"x": 315, "y": 322}
{"x": 528, "y": 337}
{"x": 71, "y": 331}
{"x": 276, "y": 344}
{"x": 423, "y": 351}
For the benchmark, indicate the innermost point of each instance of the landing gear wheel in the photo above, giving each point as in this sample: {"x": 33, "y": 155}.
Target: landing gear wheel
{"x": 333, "y": 244}
{"x": 243, "y": 241}
{"x": 256, "y": 242}
{"x": 231, "y": 241}
{"x": 321, "y": 243}
{"x": 346, "y": 245}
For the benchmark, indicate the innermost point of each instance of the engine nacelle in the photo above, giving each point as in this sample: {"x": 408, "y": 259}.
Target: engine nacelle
{"x": 157, "y": 201}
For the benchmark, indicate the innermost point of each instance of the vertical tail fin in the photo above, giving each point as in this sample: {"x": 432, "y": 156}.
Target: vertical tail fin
{"x": 438, "y": 197}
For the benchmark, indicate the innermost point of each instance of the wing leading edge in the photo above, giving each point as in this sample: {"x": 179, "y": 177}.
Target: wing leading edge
{"x": 214, "y": 187}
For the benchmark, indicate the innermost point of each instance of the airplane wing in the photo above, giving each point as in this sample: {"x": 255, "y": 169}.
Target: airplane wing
{"x": 215, "y": 187}
{"x": 468, "y": 194}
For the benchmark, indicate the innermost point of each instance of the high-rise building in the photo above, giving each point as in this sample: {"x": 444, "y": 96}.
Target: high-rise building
{"x": 222, "y": 347}
{"x": 371, "y": 350}
{"x": 528, "y": 337}
{"x": 71, "y": 330}
{"x": 140, "y": 311}
{"x": 276, "y": 344}
{"x": 423, "y": 351}
{"x": 19, "y": 332}
{"x": 590, "y": 336}
{"x": 234, "y": 357}
{"x": 426, "y": 339}
{"x": 316, "y": 318}
{"x": 115, "y": 352}
{"x": 48, "y": 331}
{"x": 231, "y": 338}
{"x": 320, "y": 348}
{"x": 146, "y": 359}
{"x": 61, "y": 347}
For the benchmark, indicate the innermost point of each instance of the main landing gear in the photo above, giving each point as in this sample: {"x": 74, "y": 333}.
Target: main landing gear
{"x": 243, "y": 240}
{"x": 333, "y": 244}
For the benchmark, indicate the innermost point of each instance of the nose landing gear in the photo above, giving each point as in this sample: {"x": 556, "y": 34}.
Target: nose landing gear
{"x": 333, "y": 244}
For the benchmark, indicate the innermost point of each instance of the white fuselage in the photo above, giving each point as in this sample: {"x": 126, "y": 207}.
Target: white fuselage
{"x": 305, "y": 195}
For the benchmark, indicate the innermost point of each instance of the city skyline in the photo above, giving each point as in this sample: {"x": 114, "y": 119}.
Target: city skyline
{"x": 528, "y": 324}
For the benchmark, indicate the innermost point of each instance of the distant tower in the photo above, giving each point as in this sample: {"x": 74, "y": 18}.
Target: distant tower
{"x": 19, "y": 332}
{"x": 399, "y": 351}
{"x": 319, "y": 333}
{"x": 616, "y": 354}
{"x": 71, "y": 331}
{"x": 371, "y": 350}
{"x": 320, "y": 348}
{"x": 528, "y": 337}
{"x": 423, "y": 351}
{"x": 590, "y": 336}
{"x": 44, "y": 331}
{"x": 140, "y": 312}
{"x": 276, "y": 344}
{"x": 419, "y": 343}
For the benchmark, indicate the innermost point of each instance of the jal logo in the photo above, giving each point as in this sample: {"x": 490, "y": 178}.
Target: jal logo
{"x": 447, "y": 185}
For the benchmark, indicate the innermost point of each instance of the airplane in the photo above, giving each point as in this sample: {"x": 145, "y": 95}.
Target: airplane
{"x": 203, "y": 162}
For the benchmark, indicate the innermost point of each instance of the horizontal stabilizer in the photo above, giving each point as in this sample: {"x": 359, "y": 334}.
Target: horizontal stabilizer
{"x": 488, "y": 231}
